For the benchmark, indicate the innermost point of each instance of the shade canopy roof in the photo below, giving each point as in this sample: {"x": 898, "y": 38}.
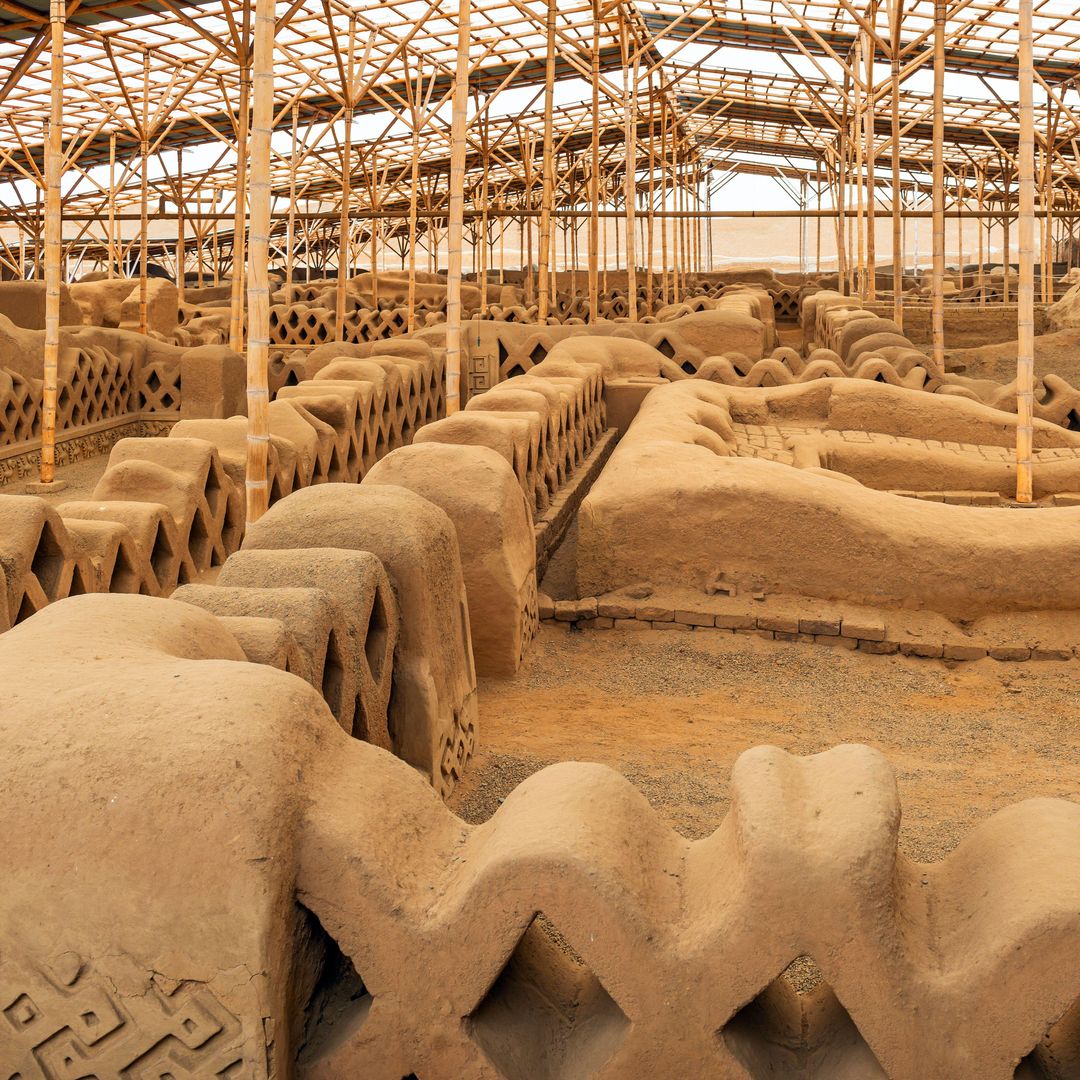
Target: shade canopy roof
{"x": 795, "y": 89}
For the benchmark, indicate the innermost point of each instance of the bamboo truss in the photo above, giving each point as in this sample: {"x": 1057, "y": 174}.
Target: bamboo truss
{"x": 602, "y": 137}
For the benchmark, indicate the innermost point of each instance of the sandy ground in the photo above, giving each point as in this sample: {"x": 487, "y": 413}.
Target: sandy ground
{"x": 81, "y": 479}
{"x": 671, "y": 711}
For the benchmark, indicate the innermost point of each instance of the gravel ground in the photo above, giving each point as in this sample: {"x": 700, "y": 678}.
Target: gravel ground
{"x": 671, "y": 711}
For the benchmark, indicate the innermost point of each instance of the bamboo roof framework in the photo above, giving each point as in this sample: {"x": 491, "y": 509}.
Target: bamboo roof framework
{"x": 388, "y": 122}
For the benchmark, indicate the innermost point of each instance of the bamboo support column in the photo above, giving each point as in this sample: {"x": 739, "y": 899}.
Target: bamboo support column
{"x": 54, "y": 167}
{"x": 113, "y": 245}
{"x": 547, "y": 195}
{"x": 181, "y": 252}
{"x": 630, "y": 80}
{"x": 236, "y": 306}
{"x": 375, "y": 227}
{"x": 1025, "y": 300}
{"x": 594, "y": 169}
{"x": 344, "y": 237}
{"x": 290, "y": 225}
{"x": 897, "y": 221}
{"x": 980, "y": 188}
{"x": 455, "y": 222}
{"x": 665, "y": 295}
{"x": 937, "y": 277}
{"x": 144, "y": 195}
{"x": 858, "y": 141}
{"x": 650, "y": 220}
{"x": 871, "y": 161}
{"x": 258, "y": 282}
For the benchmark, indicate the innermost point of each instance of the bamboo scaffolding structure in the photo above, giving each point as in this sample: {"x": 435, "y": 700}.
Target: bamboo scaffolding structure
{"x": 1025, "y": 315}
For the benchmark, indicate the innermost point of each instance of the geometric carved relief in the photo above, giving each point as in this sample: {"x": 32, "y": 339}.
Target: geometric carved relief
{"x": 70, "y": 1024}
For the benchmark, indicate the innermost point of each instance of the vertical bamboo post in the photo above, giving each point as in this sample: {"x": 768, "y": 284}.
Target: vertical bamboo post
{"x": 961, "y": 193}
{"x": 630, "y": 78}
{"x": 1025, "y": 300}
{"x": 871, "y": 163}
{"x": 594, "y": 167}
{"x": 817, "y": 192}
{"x": 215, "y": 247}
{"x": 290, "y": 225}
{"x": 857, "y": 138}
{"x": 897, "y": 221}
{"x": 344, "y": 236}
{"x": 980, "y": 188}
{"x": 258, "y": 282}
{"x": 456, "y": 219}
{"x": 485, "y": 239}
{"x": 181, "y": 251}
{"x": 937, "y": 277}
{"x": 375, "y": 227}
{"x": 415, "y": 95}
{"x": 144, "y": 194}
{"x": 112, "y": 245}
{"x": 236, "y": 306}
{"x": 547, "y": 194}
{"x": 650, "y": 219}
{"x": 665, "y": 279}
{"x": 54, "y": 167}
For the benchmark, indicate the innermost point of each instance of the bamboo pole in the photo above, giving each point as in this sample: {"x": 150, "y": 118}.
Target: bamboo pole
{"x": 594, "y": 169}
{"x": 897, "y": 221}
{"x": 290, "y": 226}
{"x": 1025, "y": 306}
{"x": 236, "y": 305}
{"x": 630, "y": 81}
{"x": 871, "y": 162}
{"x": 54, "y": 167}
{"x": 376, "y": 204}
{"x": 980, "y": 189}
{"x": 937, "y": 276}
{"x": 547, "y": 195}
{"x": 455, "y": 223}
{"x": 181, "y": 252}
{"x": 258, "y": 282}
{"x": 112, "y": 245}
{"x": 344, "y": 236}
{"x": 857, "y": 138}
{"x": 650, "y": 219}
{"x": 144, "y": 194}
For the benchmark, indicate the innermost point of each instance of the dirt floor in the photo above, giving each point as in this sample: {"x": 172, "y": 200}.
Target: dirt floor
{"x": 671, "y": 711}
{"x": 80, "y": 478}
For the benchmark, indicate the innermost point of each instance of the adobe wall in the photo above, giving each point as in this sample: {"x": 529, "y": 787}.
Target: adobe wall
{"x": 345, "y": 923}
{"x": 677, "y": 504}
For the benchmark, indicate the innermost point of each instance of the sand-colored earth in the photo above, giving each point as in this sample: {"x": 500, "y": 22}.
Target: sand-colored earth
{"x": 672, "y": 710}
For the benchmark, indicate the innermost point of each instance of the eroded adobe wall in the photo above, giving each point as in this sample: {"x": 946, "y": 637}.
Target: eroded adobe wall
{"x": 679, "y": 504}
{"x": 237, "y": 888}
